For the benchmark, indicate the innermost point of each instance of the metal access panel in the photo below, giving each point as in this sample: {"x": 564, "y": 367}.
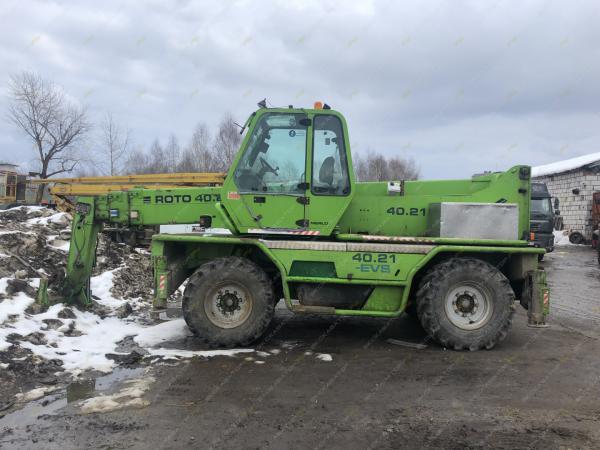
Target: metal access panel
{"x": 474, "y": 220}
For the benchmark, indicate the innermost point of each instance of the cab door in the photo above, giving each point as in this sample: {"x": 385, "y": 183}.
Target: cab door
{"x": 331, "y": 181}
{"x": 267, "y": 190}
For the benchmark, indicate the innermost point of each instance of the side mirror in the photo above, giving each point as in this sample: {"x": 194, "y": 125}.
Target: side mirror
{"x": 556, "y": 203}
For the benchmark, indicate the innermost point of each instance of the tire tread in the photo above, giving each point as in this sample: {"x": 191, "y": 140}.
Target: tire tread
{"x": 428, "y": 293}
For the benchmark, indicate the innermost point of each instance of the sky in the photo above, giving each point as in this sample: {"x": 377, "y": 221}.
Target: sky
{"x": 459, "y": 86}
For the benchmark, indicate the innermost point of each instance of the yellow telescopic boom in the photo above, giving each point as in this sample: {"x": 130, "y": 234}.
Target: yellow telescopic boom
{"x": 178, "y": 179}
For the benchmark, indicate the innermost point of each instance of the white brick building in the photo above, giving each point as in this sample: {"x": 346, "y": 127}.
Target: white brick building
{"x": 573, "y": 182}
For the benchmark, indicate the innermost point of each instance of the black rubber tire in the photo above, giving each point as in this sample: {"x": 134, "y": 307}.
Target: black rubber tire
{"x": 576, "y": 238}
{"x": 241, "y": 271}
{"x": 445, "y": 276}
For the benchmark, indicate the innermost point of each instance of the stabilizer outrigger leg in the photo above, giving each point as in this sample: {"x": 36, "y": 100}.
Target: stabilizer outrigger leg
{"x": 42, "y": 293}
{"x": 539, "y": 301}
{"x": 82, "y": 255}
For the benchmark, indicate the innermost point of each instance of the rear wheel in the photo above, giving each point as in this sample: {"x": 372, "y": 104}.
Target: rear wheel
{"x": 465, "y": 303}
{"x": 228, "y": 302}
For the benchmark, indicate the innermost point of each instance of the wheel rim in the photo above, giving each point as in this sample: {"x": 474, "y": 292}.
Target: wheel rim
{"x": 228, "y": 304}
{"x": 468, "y": 306}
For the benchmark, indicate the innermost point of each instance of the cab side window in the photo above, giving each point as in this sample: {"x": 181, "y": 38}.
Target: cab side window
{"x": 329, "y": 164}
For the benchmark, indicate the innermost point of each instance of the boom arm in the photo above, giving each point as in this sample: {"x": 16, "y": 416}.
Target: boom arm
{"x": 135, "y": 207}
{"x": 63, "y": 189}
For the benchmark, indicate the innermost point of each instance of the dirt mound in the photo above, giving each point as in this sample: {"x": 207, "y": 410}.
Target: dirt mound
{"x": 15, "y": 216}
{"x": 135, "y": 279}
{"x": 34, "y": 243}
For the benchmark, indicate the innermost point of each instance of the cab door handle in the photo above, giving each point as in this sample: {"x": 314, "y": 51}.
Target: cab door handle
{"x": 260, "y": 199}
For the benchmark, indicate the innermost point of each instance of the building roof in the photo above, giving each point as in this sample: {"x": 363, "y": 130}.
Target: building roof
{"x": 566, "y": 165}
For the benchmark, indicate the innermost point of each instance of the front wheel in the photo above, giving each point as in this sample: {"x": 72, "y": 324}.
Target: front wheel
{"x": 228, "y": 302}
{"x": 465, "y": 303}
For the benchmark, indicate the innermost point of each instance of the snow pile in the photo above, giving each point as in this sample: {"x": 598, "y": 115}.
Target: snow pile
{"x": 564, "y": 166}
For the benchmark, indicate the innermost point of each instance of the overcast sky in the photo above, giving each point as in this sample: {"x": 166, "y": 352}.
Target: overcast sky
{"x": 460, "y": 87}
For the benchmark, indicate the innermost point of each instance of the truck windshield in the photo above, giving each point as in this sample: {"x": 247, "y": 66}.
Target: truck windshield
{"x": 541, "y": 206}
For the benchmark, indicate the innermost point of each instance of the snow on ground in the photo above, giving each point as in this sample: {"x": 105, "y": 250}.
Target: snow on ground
{"x": 58, "y": 243}
{"x": 101, "y": 285}
{"x": 177, "y": 353}
{"x": 11, "y": 307}
{"x": 158, "y": 334}
{"x": 34, "y": 394}
{"x": 80, "y": 339}
{"x": 561, "y": 238}
{"x": 98, "y": 337}
{"x": 61, "y": 218}
{"x": 30, "y": 233}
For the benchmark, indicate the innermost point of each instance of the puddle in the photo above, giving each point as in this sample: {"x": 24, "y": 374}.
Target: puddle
{"x": 80, "y": 389}
{"x": 90, "y": 387}
{"x": 129, "y": 395}
{"x": 29, "y": 414}
{"x": 76, "y": 390}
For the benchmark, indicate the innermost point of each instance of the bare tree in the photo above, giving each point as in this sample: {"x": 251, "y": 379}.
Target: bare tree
{"x": 203, "y": 155}
{"x": 376, "y": 167}
{"x": 172, "y": 154}
{"x": 402, "y": 169}
{"x": 227, "y": 142}
{"x": 115, "y": 144}
{"x": 86, "y": 170}
{"x": 157, "y": 160}
{"x": 187, "y": 163}
{"x": 137, "y": 162}
{"x": 41, "y": 110}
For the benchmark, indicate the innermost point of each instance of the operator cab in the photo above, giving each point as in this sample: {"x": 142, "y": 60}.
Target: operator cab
{"x": 275, "y": 158}
{"x": 293, "y": 162}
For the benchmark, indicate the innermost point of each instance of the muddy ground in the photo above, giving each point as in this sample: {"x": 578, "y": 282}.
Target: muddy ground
{"x": 539, "y": 389}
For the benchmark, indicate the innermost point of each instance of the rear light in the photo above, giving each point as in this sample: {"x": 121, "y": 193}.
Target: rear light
{"x": 532, "y": 236}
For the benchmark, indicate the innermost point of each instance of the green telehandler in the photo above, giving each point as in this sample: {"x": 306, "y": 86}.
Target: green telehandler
{"x": 301, "y": 228}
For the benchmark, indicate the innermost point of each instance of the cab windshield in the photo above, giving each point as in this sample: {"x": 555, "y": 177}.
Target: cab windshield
{"x": 541, "y": 207}
{"x": 275, "y": 158}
